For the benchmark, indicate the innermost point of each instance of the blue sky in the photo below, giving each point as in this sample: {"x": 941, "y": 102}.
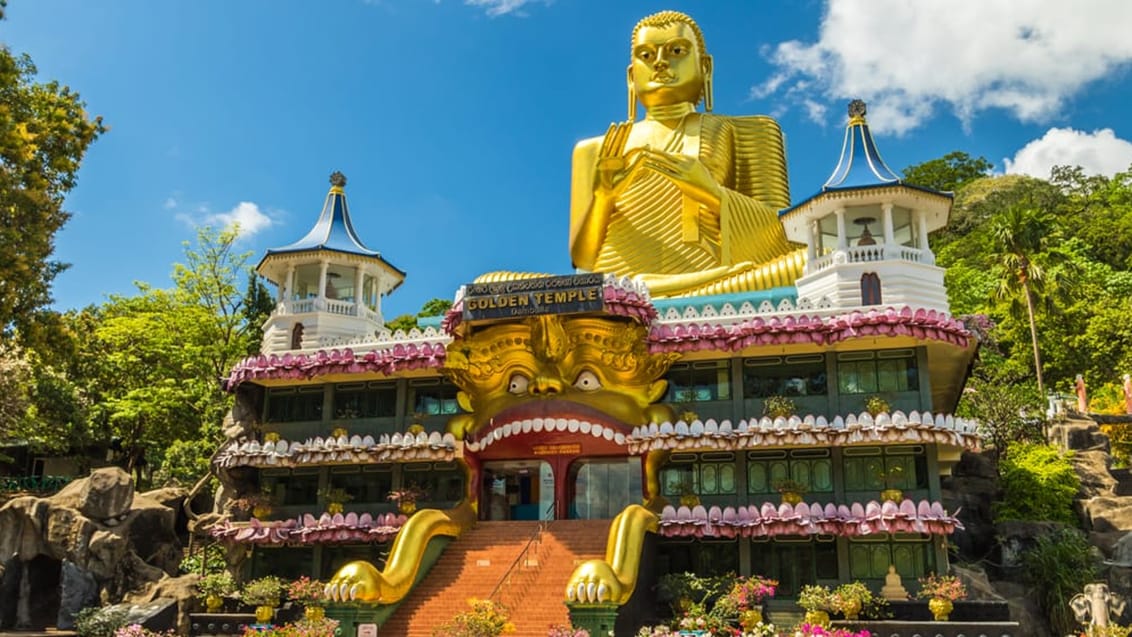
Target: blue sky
{"x": 455, "y": 120}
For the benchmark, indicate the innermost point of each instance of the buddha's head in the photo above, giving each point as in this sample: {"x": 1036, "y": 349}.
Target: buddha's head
{"x": 669, "y": 63}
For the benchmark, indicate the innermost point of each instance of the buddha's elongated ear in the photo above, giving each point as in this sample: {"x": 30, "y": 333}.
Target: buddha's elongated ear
{"x": 632, "y": 94}
{"x": 706, "y": 64}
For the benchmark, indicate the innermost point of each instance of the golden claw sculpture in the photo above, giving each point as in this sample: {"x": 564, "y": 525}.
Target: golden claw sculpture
{"x": 360, "y": 581}
{"x": 612, "y": 580}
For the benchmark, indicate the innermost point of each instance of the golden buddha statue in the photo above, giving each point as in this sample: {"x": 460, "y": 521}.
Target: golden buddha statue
{"x": 687, "y": 201}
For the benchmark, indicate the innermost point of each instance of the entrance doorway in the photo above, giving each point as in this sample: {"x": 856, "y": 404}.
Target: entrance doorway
{"x": 517, "y": 490}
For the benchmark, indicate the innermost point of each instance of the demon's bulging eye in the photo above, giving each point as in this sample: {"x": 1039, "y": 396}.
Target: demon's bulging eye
{"x": 518, "y": 384}
{"x": 587, "y": 381}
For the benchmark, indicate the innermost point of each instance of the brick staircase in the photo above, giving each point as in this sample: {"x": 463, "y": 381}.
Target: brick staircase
{"x": 473, "y": 565}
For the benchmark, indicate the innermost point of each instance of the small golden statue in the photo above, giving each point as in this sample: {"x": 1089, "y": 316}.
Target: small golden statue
{"x": 685, "y": 200}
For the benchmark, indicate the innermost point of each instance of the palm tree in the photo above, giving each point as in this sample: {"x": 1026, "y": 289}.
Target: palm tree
{"x": 1027, "y": 254}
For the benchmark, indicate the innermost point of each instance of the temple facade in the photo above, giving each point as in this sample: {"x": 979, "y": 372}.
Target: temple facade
{"x": 798, "y": 432}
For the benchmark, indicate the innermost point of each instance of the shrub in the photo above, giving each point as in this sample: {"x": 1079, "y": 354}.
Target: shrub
{"x": 1038, "y": 483}
{"x": 99, "y": 622}
{"x": 1058, "y": 568}
{"x": 213, "y": 558}
{"x": 264, "y": 591}
{"x": 220, "y": 584}
{"x": 779, "y": 407}
{"x": 485, "y": 619}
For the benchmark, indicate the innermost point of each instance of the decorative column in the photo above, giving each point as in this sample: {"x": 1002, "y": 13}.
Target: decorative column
{"x": 377, "y": 294}
{"x": 889, "y": 240}
{"x": 322, "y": 272}
{"x": 359, "y": 275}
{"x": 922, "y": 225}
{"x": 812, "y": 237}
{"x": 288, "y": 287}
{"x": 842, "y": 238}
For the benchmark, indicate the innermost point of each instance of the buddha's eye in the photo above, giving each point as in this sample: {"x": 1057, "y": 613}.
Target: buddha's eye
{"x": 587, "y": 381}
{"x": 678, "y": 50}
{"x": 518, "y": 384}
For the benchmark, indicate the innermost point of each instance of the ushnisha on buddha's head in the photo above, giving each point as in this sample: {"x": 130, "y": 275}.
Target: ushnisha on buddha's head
{"x": 669, "y": 63}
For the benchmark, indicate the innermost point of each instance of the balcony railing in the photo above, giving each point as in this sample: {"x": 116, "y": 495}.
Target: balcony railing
{"x": 867, "y": 254}
{"x": 330, "y": 306}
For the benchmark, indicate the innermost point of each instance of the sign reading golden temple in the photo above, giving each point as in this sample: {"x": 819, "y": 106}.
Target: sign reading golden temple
{"x": 569, "y": 294}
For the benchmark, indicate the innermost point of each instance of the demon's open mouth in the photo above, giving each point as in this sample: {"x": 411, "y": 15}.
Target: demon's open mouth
{"x": 548, "y": 416}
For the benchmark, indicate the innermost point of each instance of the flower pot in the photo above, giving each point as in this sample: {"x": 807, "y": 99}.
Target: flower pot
{"x": 817, "y": 618}
{"x": 314, "y": 613}
{"x": 791, "y": 497}
{"x": 213, "y": 603}
{"x": 690, "y": 501}
{"x": 335, "y": 508}
{"x": 940, "y": 608}
{"x": 892, "y": 495}
{"x": 750, "y": 618}
{"x": 263, "y": 614}
{"x": 261, "y": 511}
{"x": 407, "y": 508}
{"x": 851, "y": 608}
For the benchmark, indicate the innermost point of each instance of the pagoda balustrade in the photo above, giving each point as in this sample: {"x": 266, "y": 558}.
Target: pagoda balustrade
{"x": 330, "y": 306}
{"x": 871, "y": 253}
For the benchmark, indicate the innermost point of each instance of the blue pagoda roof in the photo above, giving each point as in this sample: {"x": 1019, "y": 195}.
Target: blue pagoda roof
{"x": 860, "y": 163}
{"x": 333, "y": 230}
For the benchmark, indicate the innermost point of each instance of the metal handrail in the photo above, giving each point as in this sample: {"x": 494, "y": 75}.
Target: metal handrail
{"x": 543, "y": 525}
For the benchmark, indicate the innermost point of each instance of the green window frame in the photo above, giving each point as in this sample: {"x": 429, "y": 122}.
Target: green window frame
{"x": 703, "y": 557}
{"x": 799, "y": 375}
{"x": 811, "y": 467}
{"x": 902, "y": 467}
{"x": 870, "y": 556}
{"x": 293, "y": 404}
{"x": 365, "y": 400}
{"x": 441, "y": 481}
{"x": 795, "y": 561}
{"x": 706, "y": 474}
{"x": 700, "y": 381}
{"x": 433, "y": 398}
{"x": 894, "y": 370}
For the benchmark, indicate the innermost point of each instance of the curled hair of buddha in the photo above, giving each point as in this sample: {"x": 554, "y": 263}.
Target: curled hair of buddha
{"x": 665, "y": 18}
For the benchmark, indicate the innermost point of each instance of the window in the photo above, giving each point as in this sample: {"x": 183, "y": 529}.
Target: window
{"x": 293, "y": 404}
{"x": 297, "y": 336}
{"x": 784, "y": 376}
{"x": 710, "y": 474}
{"x": 699, "y": 382}
{"x": 811, "y": 467}
{"x": 870, "y": 289}
{"x": 365, "y": 400}
{"x": 441, "y": 481}
{"x": 868, "y": 469}
{"x": 795, "y": 562}
{"x": 286, "y": 562}
{"x": 433, "y": 398}
{"x": 869, "y": 557}
{"x": 600, "y": 489}
{"x": 702, "y": 557}
{"x": 871, "y": 372}
{"x": 370, "y": 486}
{"x": 298, "y": 488}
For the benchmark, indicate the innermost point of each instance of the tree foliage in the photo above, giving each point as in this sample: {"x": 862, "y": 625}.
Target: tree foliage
{"x": 948, "y": 173}
{"x": 44, "y": 133}
{"x": 1038, "y": 483}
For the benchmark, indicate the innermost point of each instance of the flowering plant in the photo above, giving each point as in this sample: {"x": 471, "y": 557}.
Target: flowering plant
{"x": 306, "y": 591}
{"x": 751, "y": 591}
{"x": 846, "y": 594}
{"x": 567, "y": 631}
{"x": 264, "y": 591}
{"x": 942, "y": 587}
{"x": 813, "y": 597}
{"x": 411, "y": 493}
{"x": 791, "y": 486}
{"x": 137, "y": 630}
{"x": 303, "y": 628}
{"x": 760, "y": 630}
{"x": 815, "y": 630}
{"x": 779, "y": 407}
{"x": 485, "y": 619}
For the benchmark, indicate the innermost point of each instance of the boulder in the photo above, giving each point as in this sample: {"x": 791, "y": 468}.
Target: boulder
{"x": 1015, "y": 538}
{"x": 1092, "y": 469}
{"x": 78, "y": 590}
{"x": 1024, "y": 609}
{"x": 978, "y": 585}
{"x": 1111, "y": 513}
{"x": 107, "y": 493}
{"x": 1079, "y": 434}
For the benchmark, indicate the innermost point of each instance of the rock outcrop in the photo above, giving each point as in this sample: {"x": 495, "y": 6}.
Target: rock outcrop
{"x": 100, "y": 539}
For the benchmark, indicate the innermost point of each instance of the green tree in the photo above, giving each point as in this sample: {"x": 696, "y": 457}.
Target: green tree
{"x": 44, "y": 133}
{"x": 948, "y": 173}
{"x": 258, "y": 306}
{"x": 435, "y": 307}
{"x": 1024, "y": 249}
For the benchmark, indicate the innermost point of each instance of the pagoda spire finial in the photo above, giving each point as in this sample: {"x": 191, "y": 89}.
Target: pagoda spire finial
{"x": 857, "y": 110}
{"x": 337, "y": 180}
{"x": 860, "y": 163}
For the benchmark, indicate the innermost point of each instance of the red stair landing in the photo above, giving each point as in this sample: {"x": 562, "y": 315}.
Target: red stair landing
{"x": 473, "y": 565}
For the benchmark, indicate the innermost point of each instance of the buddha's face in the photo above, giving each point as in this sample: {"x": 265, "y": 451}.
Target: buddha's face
{"x": 666, "y": 66}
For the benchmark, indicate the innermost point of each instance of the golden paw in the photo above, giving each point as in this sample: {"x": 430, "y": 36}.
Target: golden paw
{"x": 356, "y": 581}
{"x": 594, "y": 582}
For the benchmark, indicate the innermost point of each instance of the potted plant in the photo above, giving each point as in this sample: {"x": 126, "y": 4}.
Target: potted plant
{"x": 336, "y": 500}
{"x": 891, "y": 478}
{"x": 213, "y": 588}
{"x": 747, "y": 596}
{"x": 849, "y": 599}
{"x": 406, "y": 498}
{"x": 309, "y": 594}
{"x": 817, "y": 601}
{"x": 941, "y": 591}
{"x": 263, "y": 593}
{"x": 779, "y": 407}
{"x": 254, "y": 504}
{"x": 876, "y": 405}
{"x": 792, "y": 491}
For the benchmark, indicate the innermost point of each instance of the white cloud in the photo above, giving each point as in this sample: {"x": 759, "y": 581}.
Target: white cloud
{"x": 246, "y": 215}
{"x": 1098, "y": 153}
{"x": 907, "y": 58}
{"x": 499, "y": 7}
